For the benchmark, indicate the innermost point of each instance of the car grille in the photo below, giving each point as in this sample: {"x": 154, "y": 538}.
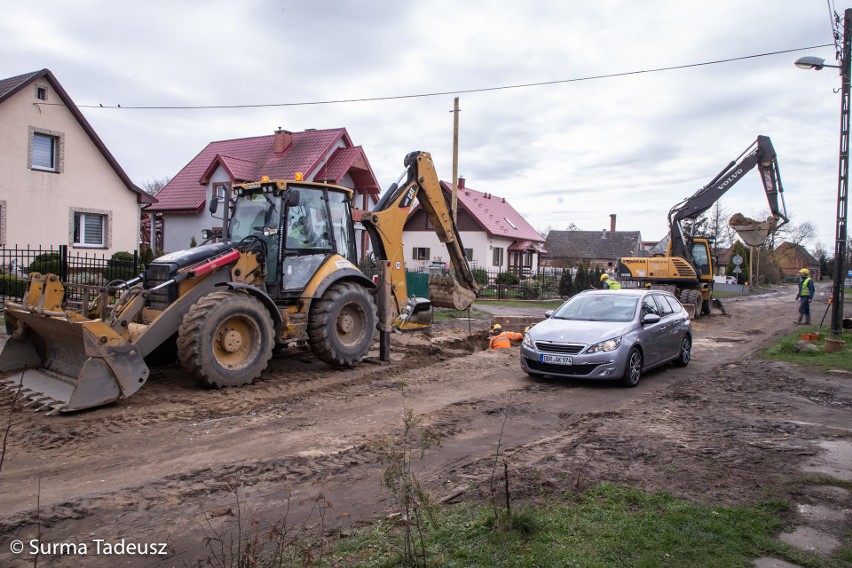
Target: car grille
{"x": 576, "y": 370}
{"x": 562, "y": 348}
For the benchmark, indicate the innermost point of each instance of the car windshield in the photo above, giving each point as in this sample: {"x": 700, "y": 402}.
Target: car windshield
{"x": 598, "y": 307}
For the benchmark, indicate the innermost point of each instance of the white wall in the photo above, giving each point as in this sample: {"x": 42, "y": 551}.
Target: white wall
{"x": 39, "y": 206}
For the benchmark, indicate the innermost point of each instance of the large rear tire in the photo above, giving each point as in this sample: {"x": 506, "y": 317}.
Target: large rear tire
{"x": 692, "y": 297}
{"x": 225, "y": 340}
{"x": 341, "y": 324}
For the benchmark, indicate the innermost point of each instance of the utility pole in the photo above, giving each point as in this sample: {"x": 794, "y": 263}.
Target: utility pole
{"x": 843, "y": 180}
{"x": 455, "y": 112}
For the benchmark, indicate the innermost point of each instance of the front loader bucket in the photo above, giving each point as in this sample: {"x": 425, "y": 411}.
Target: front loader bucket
{"x": 62, "y": 364}
{"x": 445, "y": 292}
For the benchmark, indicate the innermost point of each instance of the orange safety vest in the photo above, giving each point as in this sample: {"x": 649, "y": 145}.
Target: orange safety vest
{"x": 503, "y": 340}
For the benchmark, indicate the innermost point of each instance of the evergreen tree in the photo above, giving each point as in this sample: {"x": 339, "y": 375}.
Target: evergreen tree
{"x": 566, "y": 284}
{"x": 581, "y": 281}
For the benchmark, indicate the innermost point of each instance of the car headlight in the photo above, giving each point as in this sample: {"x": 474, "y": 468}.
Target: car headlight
{"x": 604, "y": 346}
{"x": 527, "y": 340}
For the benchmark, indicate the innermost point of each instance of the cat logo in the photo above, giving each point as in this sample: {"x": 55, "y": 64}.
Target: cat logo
{"x": 409, "y": 197}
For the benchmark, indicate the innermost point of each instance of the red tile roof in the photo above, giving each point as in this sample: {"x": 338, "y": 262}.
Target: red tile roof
{"x": 524, "y": 246}
{"x": 496, "y": 216}
{"x": 248, "y": 159}
{"x": 10, "y": 86}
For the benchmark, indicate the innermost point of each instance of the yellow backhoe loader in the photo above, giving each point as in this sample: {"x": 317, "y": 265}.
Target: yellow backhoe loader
{"x": 284, "y": 272}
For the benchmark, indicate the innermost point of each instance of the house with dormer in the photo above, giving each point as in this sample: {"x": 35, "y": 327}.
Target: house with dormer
{"x": 318, "y": 155}
{"x": 495, "y": 236}
{"x": 59, "y": 184}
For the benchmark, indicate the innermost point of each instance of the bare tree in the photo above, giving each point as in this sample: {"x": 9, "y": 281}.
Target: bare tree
{"x": 800, "y": 234}
{"x": 154, "y": 185}
{"x": 718, "y": 226}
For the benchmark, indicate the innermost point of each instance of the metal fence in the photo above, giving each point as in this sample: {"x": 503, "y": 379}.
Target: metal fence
{"x": 541, "y": 284}
{"x": 83, "y": 272}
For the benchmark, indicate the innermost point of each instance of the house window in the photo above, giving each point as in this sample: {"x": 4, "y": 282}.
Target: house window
{"x": 41, "y": 93}
{"x": 89, "y": 229}
{"x": 420, "y": 253}
{"x": 497, "y": 257}
{"x": 44, "y": 152}
{"x": 468, "y": 254}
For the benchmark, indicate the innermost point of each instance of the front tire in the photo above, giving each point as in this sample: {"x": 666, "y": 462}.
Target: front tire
{"x": 633, "y": 369}
{"x": 341, "y": 324}
{"x": 225, "y": 340}
{"x": 685, "y": 354}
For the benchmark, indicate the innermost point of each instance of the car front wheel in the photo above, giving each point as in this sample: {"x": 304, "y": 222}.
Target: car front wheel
{"x": 633, "y": 369}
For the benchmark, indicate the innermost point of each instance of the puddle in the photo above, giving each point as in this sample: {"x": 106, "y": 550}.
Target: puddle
{"x": 835, "y": 460}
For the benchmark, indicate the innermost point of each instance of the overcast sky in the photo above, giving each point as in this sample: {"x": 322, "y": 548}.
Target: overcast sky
{"x": 569, "y": 152}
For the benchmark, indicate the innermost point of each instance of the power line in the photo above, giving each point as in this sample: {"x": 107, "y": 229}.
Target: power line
{"x": 460, "y": 91}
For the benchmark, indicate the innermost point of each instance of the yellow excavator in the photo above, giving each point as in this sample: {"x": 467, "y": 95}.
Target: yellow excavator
{"x": 283, "y": 271}
{"x": 687, "y": 266}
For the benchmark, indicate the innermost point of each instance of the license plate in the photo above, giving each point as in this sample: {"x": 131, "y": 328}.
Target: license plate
{"x": 557, "y": 359}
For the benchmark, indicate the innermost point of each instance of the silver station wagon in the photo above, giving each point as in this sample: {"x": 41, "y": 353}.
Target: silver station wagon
{"x": 609, "y": 334}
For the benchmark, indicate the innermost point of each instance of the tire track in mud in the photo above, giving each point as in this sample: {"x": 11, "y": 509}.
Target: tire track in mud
{"x": 169, "y": 396}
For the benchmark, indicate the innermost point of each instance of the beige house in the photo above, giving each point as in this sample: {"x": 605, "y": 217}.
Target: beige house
{"x": 59, "y": 185}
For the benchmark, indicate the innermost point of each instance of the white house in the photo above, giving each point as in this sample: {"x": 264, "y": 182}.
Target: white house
{"x": 495, "y": 236}
{"x": 59, "y": 185}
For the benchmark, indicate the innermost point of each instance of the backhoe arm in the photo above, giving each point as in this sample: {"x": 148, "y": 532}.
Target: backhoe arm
{"x": 761, "y": 154}
{"x": 387, "y": 220}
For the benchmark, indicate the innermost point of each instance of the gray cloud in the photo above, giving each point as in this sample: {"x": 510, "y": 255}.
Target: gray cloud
{"x": 564, "y": 153}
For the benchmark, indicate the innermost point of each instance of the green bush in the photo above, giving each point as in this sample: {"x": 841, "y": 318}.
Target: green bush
{"x": 507, "y": 279}
{"x": 529, "y": 290}
{"x": 120, "y": 267}
{"x": 12, "y": 286}
{"x": 46, "y": 263}
{"x": 480, "y": 275}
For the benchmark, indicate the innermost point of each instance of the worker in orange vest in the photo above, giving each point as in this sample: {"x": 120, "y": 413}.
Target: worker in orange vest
{"x": 503, "y": 339}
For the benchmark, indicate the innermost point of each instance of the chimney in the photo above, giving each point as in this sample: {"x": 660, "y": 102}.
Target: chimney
{"x": 603, "y": 233}
{"x": 283, "y": 139}
{"x": 612, "y": 223}
{"x": 461, "y": 183}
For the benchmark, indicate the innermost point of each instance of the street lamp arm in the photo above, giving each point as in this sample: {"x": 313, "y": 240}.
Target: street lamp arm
{"x": 815, "y": 63}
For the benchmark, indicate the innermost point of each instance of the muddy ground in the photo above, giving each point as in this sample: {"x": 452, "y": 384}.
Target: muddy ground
{"x": 302, "y": 446}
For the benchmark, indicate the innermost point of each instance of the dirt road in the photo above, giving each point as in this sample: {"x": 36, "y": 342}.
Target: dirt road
{"x": 174, "y": 464}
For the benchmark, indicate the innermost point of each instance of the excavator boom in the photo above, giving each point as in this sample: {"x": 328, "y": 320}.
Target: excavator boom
{"x": 760, "y": 153}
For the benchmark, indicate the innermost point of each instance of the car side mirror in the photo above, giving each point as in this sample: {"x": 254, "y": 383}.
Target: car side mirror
{"x": 292, "y": 198}
{"x": 548, "y": 313}
{"x": 214, "y": 205}
{"x": 650, "y": 318}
